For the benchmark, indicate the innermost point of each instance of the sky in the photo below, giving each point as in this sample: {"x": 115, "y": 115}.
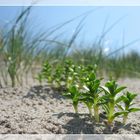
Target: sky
{"x": 124, "y": 32}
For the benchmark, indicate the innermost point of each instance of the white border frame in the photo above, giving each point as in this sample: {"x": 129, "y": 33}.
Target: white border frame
{"x": 70, "y": 2}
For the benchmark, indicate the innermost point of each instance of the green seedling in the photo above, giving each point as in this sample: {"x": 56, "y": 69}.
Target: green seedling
{"x": 110, "y": 100}
{"x": 61, "y": 74}
{"x": 73, "y": 94}
{"x": 57, "y": 76}
{"x": 128, "y": 102}
{"x": 83, "y": 73}
{"x": 46, "y": 73}
{"x": 69, "y": 72}
{"x": 87, "y": 100}
{"x": 40, "y": 78}
{"x": 46, "y": 70}
{"x": 92, "y": 98}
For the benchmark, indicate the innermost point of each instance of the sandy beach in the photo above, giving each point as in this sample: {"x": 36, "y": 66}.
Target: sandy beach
{"x": 43, "y": 110}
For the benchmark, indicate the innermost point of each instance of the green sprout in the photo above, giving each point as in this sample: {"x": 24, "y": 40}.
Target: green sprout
{"x": 92, "y": 98}
{"x": 57, "y": 76}
{"x": 73, "y": 94}
{"x": 110, "y": 100}
{"x": 45, "y": 73}
{"x": 40, "y": 78}
{"x": 128, "y": 102}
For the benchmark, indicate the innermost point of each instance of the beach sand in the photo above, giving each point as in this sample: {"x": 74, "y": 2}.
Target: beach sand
{"x": 43, "y": 110}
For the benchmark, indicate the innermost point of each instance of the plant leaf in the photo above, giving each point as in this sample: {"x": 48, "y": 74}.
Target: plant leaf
{"x": 120, "y": 107}
{"x": 134, "y": 109}
{"x": 119, "y": 99}
{"x": 118, "y": 114}
{"x": 105, "y": 89}
{"x": 119, "y": 89}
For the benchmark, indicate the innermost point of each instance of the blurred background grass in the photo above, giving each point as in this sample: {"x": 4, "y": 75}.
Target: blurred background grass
{"x": 22, "y": 51}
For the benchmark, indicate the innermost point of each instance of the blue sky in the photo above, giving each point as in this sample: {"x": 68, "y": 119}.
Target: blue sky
{"x": 128, "y": 29}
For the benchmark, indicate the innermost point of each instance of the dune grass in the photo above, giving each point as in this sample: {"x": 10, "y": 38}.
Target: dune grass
{"x": 19, "y": 49}
{"x": 22, "y": 51}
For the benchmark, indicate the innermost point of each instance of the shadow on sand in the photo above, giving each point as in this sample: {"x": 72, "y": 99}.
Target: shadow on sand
{"x": 43, "y": 92}
{"x": 84, "y": 124}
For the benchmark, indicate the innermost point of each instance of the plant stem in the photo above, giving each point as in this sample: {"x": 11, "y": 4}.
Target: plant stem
{"x": 90, "y": 111}
{"x": 96, "y": 113}
{"x": 75, "y": 106}
{"x": 89, "y": 106}
{"x": 13, "y": 82}
{"x": 109, "y": 122}
{"x": 111, "y": 112}
{"x": 125, "y": 118}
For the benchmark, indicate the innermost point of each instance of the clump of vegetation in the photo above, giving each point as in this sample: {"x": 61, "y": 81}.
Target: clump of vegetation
{"x": 19, "y": 49}
{"x": 83, "y": 86}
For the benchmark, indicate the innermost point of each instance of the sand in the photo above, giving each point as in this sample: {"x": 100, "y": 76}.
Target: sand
{"x": 43, "y": 110}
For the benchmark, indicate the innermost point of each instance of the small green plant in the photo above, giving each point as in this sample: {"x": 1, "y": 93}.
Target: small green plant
{"x": 57, "y": 76}
{"x": 88, "y": 102}
{"x": 40, "y": 78}
{"x": 110, "y": 100}
{"x": 128, "y": 102}
{"x": 92, "y": 98}
{"x": 45, "y": 73}
{"x": 71, "y": 73}
{"x": 73, "y": 94}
